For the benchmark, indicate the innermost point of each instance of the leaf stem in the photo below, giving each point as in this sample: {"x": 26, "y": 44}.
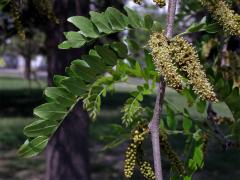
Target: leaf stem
{"x": 154, "y": 124}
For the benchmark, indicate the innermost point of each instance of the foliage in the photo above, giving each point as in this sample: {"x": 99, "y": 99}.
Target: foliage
{"x": 92, "y": 76}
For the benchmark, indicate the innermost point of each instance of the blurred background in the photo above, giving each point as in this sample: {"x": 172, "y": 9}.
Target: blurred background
{"x": 27, "y": 67}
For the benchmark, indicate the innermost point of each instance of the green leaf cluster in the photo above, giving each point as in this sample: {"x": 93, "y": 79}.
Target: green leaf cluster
{"x": 82, "y": 82}
{"x": 105, "y": 23}
{"x": 132, "y": 109}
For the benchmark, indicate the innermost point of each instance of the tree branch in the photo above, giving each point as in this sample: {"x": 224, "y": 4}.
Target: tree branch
{"x": 154, "y": 124}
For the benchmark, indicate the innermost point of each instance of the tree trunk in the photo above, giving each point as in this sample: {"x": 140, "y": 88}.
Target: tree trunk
{"x": 67, "y": 152}
{"x": 27, "y": 69}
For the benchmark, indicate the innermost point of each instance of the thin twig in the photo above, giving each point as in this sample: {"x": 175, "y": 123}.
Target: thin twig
{"x": 224, "y": 51}
{"x": 170, "y": 18}
{"x": 154, "y": 129}
{"x": 154, "y": 124}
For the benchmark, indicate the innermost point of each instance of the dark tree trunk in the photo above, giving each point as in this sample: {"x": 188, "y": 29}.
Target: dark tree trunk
{"x": 27, "y": 70}
{"x": 67, "y": 152}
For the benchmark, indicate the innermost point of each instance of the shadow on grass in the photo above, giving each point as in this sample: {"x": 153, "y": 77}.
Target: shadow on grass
{"x": 19, "y": 102}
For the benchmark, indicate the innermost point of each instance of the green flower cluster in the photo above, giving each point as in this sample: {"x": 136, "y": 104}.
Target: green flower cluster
{"x": 16, "y": 18}
{"x": 146, "y": 170}
{"x": 45, "y": 7}
{"x": 178, "y": 56}
{"x": 135, "y": 155}
{"x": 138, "y": 2}
{"x": 186, "y": 58}
{"x": 163, "y": 61}
{"x": 160, "y": 3}
{"x": 132, "y": 150}
{"x": 225, "y": 16}
{"x": 130, "y": 161}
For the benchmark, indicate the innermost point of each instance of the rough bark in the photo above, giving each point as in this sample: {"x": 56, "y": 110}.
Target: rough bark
{"x": 27, "y": 70}
{"x": 67, "y": 152}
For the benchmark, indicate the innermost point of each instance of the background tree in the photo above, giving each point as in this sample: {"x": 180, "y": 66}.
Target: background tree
{"x": 67, "y": 152}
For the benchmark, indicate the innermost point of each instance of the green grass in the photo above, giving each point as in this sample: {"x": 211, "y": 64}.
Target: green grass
{"x": 8, "y": 83}
{"x": 17, "y": 98}
{"x": 11, "y": 134}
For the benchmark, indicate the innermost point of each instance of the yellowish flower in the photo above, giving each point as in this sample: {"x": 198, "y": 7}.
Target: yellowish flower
{"x": 163, "y": 62}
{"x": 225, "y": 16}
{"x": 186, "y": 58}
{"x": 17, "y": 19}
{"x": 138, "y": 2}
{"x": 160, "y": 3}
{"x": 132, "y": 150}
{"x": 146, "y": 170}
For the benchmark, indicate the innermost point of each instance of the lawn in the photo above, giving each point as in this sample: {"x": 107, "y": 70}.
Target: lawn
{"x": 15, "y": 83}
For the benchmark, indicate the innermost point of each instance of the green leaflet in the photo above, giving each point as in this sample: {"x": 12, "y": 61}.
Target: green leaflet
{"x": 75, "y": 85}
{"x": 40, "y": 128}
{"x": 117, "y": 20}
{"x": 132, "y": 108}
{"x": 57, "y": 79}
{"x": 60, "y": 95}
{"x": 85, "y": 25}
{"x": 92, "y": 100}
{"x": 101, "y": 22}
{"x": 75, "y": 39}
{"x": 33, "y": 147}
{"x": 134, "y": 19}
{"x": 148, "y": 21}
{"x": 53, "y": 111}
{"x": 95, "y": 63}
{"x": 120, "y": 48}
{"x": 187, "y": 122}
{"x": 109, "y": 57}
{"x": 171, "y": 121}
{"x": 196, "y": 160}
{"x": 83, "y": 70}
{"x": 65, "y": 45}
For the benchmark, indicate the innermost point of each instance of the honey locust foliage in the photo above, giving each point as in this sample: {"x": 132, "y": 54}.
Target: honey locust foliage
{"x": 92, "y": 76}
{"x": 85, "y": 78}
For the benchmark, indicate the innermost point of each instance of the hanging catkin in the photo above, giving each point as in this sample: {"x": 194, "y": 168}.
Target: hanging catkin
{"x": 160, "y": 3}
{"x": 163, "y": 62}
{"x": 226, "y": 17}
{"x": 186, "y": 58}
{"x": 17, "y": 19}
